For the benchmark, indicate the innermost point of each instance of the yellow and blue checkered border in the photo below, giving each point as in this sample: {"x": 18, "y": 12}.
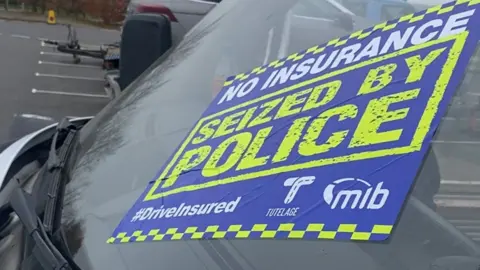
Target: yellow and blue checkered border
{"x": 356, "y": 36}
{"x": 257, "y": 231}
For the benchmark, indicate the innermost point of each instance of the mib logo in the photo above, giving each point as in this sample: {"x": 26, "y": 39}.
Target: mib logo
{"x": 348, "y": 192}
{"x": 294, "y": 186}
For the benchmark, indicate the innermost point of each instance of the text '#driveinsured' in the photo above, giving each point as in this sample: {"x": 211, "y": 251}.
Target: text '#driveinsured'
{"x": 185, "y": 210}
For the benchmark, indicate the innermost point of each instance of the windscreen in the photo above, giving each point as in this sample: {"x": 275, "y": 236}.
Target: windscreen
{"x": 210, "y": 193}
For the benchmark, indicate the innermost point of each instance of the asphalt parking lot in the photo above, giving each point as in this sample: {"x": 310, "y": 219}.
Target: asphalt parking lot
{"x": 42, "y": 85}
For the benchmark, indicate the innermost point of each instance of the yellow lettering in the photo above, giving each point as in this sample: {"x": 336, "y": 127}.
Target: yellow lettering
{"x": 417, "y": 66}
{"x": 376, "y": 114}
{"x": 380, "y": 76}
{"x": 262, "y": 117}
{"x": 290, "y": 101}
{"x": 241, "y": 141}
{"x": 207, "y": 131}
{"x": 246, "y": 118}
{"x": 309, "y": 147}
{"x": 293, "y": 135}
{"x": 225, "y": 127}
{"x": 250, "y": 159}
{"x": 189, "y": 160}
{"x": 331, "y": 91}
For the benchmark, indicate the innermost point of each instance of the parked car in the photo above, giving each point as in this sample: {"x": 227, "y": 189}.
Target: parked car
{"x": 67, "y": 187}
{"x": 183, "y": 14}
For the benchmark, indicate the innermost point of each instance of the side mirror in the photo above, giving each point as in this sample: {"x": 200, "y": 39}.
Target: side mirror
{"x": 145, "y": 37}
{"x": 344, "y": 21}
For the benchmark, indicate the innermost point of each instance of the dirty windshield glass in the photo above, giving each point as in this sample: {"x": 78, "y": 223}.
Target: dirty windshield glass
{"x": 438, "y": 219}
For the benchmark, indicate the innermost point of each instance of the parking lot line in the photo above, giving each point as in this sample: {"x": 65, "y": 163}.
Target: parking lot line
{"x": 36, "y": 116}
{"x": 37, "y": 91}
{"x": 456, "y": 142}
{"x": 61, "y": 54}
{"x": 69, "y": 77}
{"x": 67, "y": 65}
{"x": 460, "y": 182}
{"x": 20, "y": 36}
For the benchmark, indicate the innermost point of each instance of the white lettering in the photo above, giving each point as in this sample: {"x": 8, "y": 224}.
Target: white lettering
{"x": 269, "y": 80}
{"x": 284, "y": 74}
{"x": 189, "y": 210}
{"x": 456, "y": 23}
{"x": 396, "y": 40}
{"x": 317, "y": 68}
{"x": 239, "y": 90}
{"x": 248, "y": 87}
{"x": 370, "y": 198}
{"x": 347, "y": 54}
{"x": 302, "y": 69}
{"x": 370, "y": 50}
{"x": 417, "y": 36}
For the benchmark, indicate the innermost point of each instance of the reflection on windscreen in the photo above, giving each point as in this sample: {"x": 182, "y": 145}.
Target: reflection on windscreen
{"x": 359, "y": 8}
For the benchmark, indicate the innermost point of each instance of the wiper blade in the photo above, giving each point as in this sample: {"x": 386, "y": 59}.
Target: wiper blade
{"x": 53, "y": 175}
{"x": 44, "y": 250}
{"x": 13, "y": 198}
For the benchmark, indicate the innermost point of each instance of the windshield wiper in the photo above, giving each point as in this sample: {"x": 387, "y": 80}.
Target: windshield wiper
{"x": 44, "y": 250}
{"x": 17, "y": 200}
{"x": 53, "y": 175}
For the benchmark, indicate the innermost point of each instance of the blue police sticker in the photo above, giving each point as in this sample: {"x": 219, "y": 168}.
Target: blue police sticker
{"x": 323, "y": 144}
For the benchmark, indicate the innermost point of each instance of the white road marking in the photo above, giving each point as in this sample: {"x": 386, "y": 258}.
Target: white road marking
{"x": 445, "y": 201}
{"x": 110, "y": 30}
{"x": 460, "y": 182}
{"x": 37, "y": 91}
{"x": 456, "y": 142}
{"x": 67, "y": 65}
{"x": 449, "y": 118}
{"x": 20, "y": 36}
{"x": 60, "y": 54}
{"x": 69, "y": 77}
{"x": 36, "y": 116}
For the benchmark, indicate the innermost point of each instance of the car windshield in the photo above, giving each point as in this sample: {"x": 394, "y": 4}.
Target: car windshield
{"x": 122, "y": 150}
